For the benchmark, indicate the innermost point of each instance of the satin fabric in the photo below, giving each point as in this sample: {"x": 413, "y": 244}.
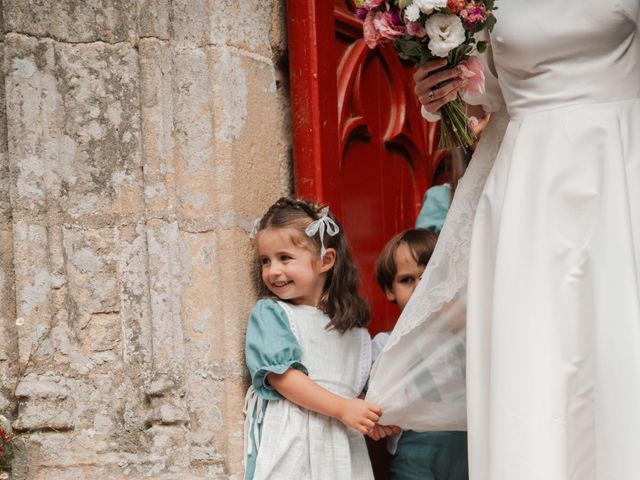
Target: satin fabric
{"x": 553, "y": 325}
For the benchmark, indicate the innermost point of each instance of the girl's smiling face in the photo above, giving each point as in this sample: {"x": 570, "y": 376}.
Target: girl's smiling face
{"x": 291, "y": 270}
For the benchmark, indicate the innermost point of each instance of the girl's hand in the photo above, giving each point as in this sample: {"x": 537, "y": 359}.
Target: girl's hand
{"x": 378, "y": 432}
{"x": 428, "y": 76}
{"x": 359, "y": 415}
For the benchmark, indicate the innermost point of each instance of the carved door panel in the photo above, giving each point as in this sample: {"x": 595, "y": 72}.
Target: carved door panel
{"x": 360, "y": 143}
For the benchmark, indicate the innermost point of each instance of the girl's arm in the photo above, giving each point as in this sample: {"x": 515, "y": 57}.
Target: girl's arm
{"x": 304, "y": 392}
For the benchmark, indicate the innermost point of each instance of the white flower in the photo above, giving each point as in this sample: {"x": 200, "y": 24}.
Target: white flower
{"x": 428, "y": 6}
{"x": 19, "y": 321}
{"x": 445, "y": 33}
{"x": 412, "y": 13}
{"x": 4, "y": 476}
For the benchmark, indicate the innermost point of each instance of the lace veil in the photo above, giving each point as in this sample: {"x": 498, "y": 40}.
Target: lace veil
{"x": 419, "y": 379}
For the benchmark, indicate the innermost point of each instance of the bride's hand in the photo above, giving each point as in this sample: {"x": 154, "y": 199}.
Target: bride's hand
{"x": 428, "y": 76}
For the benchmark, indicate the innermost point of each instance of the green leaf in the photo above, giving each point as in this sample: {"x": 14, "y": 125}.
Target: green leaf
{"x": 490, "y": 23}
{"x": 410, "y": 48}
{"x": 482, "y": 47}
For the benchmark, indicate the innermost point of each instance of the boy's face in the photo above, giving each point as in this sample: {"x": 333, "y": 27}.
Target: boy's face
{"x": 407, "y": 276}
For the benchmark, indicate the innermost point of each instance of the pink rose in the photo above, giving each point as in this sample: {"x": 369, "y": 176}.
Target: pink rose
{"x": 373, "y": 4}
{"x": 416, "y": 29}
{"x": 371, "y": 35}
{"x": 384, "y": 24}
{"x": 474, "y": 123}
{"x": 473, "y": 72}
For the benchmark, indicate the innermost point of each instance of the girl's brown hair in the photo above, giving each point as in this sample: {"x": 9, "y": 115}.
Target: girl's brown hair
{"x": 340, "y": 299}
{"x": 421, "y": 244}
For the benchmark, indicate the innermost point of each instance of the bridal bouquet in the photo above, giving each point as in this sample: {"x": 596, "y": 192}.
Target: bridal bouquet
{"x": 423, "y": 30}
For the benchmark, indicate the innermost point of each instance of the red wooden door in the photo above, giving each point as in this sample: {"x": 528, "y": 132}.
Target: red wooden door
{"x": 360, "y": 143}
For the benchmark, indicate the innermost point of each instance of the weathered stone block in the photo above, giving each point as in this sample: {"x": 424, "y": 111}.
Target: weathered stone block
{"x": 156, "y": 90}
{"x": 73, "y": 21}
{"x": 252, "y": 134}
{"x": 154, "y": 18}
{"x": 133, "y": 278}
{"x": 46, "y": 386}
{"x": 44, "y": 403}
{"x": 73, "y": 117}
{"x": 245, "y": 25}
{"x": 92, "y": 277}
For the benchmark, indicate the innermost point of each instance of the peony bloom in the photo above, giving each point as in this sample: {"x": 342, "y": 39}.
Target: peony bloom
{"x": 412, "y": 13}
{"x": 473, "y": 71}
{"x": 385, "y": 25}
{"x": 373, "y": 4}
{"x": 445, "y": 33}
{"x": 428, "y": 6}
{"x": 371, "y": 35}
{"x": 416, "y": 29}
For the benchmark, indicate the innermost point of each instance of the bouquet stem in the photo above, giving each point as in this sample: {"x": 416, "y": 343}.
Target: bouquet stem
{"x": 454, "y": 126}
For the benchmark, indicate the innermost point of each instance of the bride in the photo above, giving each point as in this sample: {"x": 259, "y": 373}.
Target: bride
{"x": 541, "y": 249}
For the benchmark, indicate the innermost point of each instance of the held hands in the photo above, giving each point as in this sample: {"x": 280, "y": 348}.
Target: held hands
{"x": 379, "y": 432}
{"x": 359, "y": 414}
{"x": 448, "y": 82}
{"x": 363, "y": 417}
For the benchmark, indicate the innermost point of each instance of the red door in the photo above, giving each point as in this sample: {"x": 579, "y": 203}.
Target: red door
{"x": 360, "y": 143}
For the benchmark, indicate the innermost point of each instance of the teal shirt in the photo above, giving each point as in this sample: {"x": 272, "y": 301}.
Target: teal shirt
{"x": 270, "y": 347}
{"x": 434, "y": 209}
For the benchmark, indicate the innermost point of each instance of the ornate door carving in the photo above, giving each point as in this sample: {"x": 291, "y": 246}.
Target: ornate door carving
{"x": 360, "y": 143}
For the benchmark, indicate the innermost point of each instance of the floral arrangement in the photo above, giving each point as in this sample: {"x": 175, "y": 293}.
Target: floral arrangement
{"x": 423, "y": 30}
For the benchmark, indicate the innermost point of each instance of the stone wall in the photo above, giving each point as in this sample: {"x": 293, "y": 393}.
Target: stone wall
{"x": 138, "y": 140}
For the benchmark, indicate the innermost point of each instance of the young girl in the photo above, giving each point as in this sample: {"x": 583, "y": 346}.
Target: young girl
{"x": 308, "y": 352}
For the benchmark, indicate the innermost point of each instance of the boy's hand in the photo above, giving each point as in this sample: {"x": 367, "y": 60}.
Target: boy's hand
{"x": 378, "y": 432}
{"x": 359, "y": 415}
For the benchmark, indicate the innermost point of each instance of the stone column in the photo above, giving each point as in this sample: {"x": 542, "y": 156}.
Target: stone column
{"x": 142, "y": 138}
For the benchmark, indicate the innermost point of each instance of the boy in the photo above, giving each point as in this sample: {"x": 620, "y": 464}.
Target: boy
{"x": 417, "y": 455}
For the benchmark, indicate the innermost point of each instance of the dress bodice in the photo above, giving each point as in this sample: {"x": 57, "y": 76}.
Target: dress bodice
{"x": 550, "y": 54}
{"x": 337, "y": 361}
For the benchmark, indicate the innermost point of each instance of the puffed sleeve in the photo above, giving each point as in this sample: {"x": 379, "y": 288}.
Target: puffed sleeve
{"x": 270, "y": 347}
{"x": 491, "y": 100}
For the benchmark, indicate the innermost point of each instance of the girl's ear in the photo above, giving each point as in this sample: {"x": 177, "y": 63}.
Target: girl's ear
{"x": 390, "y": 296}
{"x": 329, "y": 260}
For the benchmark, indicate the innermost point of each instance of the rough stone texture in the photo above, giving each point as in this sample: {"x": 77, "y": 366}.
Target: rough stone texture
{"x": 73, "y": 20}
{"x": 139, "y": 140}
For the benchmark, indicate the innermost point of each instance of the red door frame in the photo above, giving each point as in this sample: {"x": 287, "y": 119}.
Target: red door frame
{"x": 313, "y": 68}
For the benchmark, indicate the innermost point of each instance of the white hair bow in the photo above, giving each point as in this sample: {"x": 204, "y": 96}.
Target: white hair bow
{"x": 325, "y": 222}
{"x": 256, "y": 227}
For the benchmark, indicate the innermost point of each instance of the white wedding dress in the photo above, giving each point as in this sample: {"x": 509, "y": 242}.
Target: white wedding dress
{"x": 543, "y": 243}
